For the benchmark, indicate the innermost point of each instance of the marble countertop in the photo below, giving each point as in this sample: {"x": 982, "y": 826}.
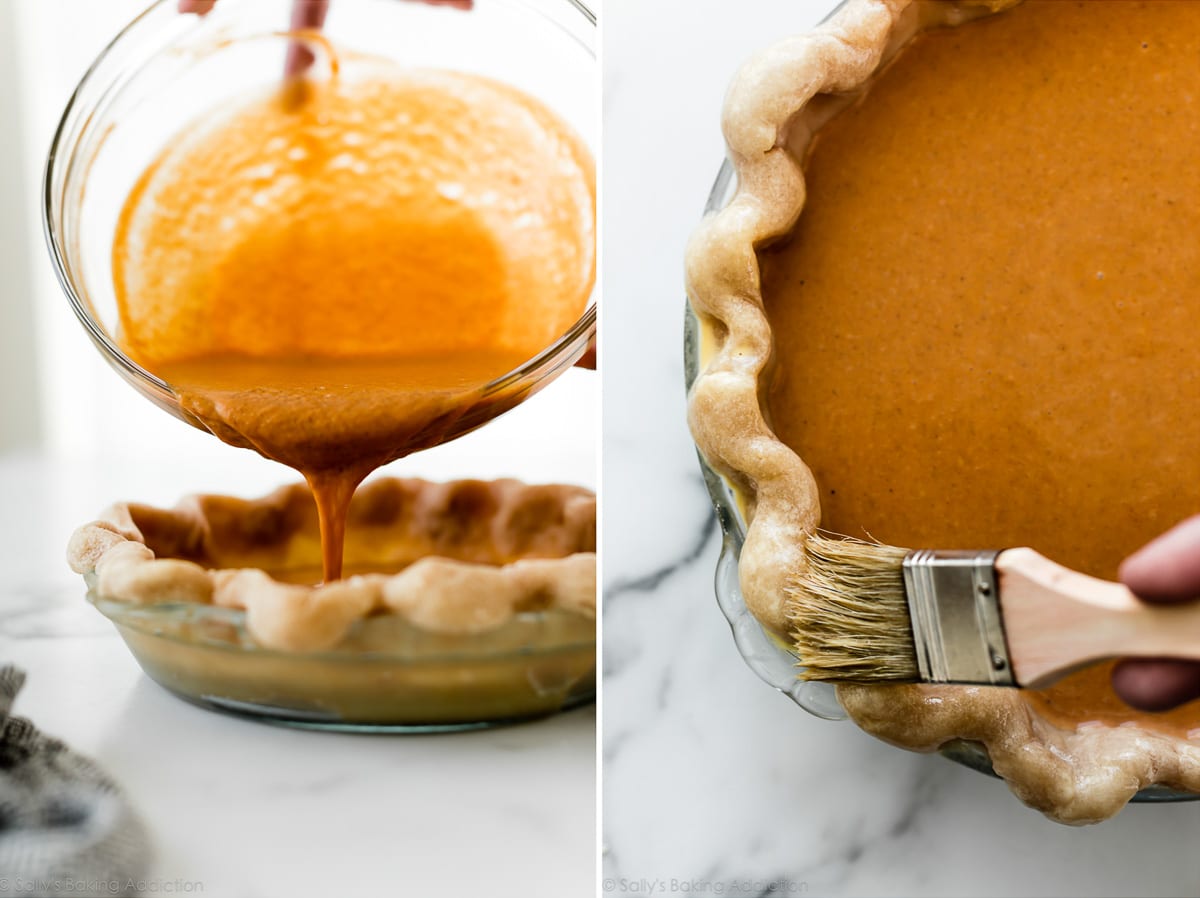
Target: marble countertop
{"x": 249, "y": 809}
{"x": 714, "y": 784}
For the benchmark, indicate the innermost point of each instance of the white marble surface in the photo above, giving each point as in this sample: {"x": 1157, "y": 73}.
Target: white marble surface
{"x": 249, "y": 809}
{"x": 713, "y": 783}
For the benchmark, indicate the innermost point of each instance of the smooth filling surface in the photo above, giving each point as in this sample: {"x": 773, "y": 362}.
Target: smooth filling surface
{"x": 333, "y": 274}
{"x": 985, "y": 330}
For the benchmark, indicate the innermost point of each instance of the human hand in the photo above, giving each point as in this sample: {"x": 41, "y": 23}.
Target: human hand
{"x": 588, "y": 359}
{"x": 1164, "y": 571}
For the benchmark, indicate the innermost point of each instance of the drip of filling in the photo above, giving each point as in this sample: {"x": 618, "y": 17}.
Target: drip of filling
{"x": 334, "y": 274}
{"x": 986, "y": 327}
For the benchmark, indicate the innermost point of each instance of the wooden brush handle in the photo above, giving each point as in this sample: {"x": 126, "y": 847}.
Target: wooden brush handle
{"x": 1057, "y": 619}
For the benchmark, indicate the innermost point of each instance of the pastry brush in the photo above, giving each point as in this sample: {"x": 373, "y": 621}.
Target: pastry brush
{"x": 865, "y": 612}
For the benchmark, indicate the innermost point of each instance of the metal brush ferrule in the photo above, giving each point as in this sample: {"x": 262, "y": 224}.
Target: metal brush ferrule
{"x": 954, "y": 604}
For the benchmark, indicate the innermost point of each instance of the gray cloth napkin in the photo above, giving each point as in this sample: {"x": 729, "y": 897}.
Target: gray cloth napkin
{"x": 65, "y": 827}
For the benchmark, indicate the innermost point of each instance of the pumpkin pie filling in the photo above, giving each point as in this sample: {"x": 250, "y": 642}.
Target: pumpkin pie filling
{"x": 954, "y": 381}
{"x": 982, "y": 334}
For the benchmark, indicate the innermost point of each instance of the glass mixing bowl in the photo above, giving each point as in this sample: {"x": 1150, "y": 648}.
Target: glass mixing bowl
{"x": 165, "y": 67}
{"x": 770, "y": 658}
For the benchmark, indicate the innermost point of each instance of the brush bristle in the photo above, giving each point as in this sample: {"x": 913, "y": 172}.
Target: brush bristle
{"x": 849, "y": 614}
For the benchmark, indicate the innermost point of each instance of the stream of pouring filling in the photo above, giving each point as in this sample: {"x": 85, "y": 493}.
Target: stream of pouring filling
{"x": 333, "y": 277}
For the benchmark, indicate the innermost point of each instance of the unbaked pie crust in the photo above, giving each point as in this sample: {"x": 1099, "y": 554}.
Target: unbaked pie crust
{"x": 460, "y": 558}
{"x": 775, "y": 104}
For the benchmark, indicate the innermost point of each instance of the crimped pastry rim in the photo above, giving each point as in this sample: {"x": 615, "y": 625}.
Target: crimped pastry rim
{"x": 436, "y": 593}
{"x": 764, "y": 106}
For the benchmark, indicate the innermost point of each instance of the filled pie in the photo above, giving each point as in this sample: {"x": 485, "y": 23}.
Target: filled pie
{"x": 463, "y": 603}
{"x": 950, "y": 307}
{"x": 456, "y": 558}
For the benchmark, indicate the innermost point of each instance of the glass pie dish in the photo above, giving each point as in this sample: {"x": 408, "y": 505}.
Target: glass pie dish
{"x": 384, "y": 678}
{"x": 467, "y": 603}
{"x": 771, "y": 659}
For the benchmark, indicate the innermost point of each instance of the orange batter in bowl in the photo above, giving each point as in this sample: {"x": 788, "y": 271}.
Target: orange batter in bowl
{"x": 335, "y": 274}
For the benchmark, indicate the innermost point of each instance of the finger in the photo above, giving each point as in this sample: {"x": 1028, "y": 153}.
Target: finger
{"x": 200, "y": 7}
{"x": 1167, "y": 569}
{"x": 1156, "y": 684}
{"x": 588, "y": 359}
{"x": 306, "y": 14}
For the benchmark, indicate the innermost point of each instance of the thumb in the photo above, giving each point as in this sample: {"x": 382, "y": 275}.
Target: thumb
{"x": 1166, "y": 569}
{"x": 1156, "y": 684}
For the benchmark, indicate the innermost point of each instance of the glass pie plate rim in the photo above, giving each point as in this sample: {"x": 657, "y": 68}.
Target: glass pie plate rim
{"x": 548, "y": 676}
{"x": 768, "y": 657}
